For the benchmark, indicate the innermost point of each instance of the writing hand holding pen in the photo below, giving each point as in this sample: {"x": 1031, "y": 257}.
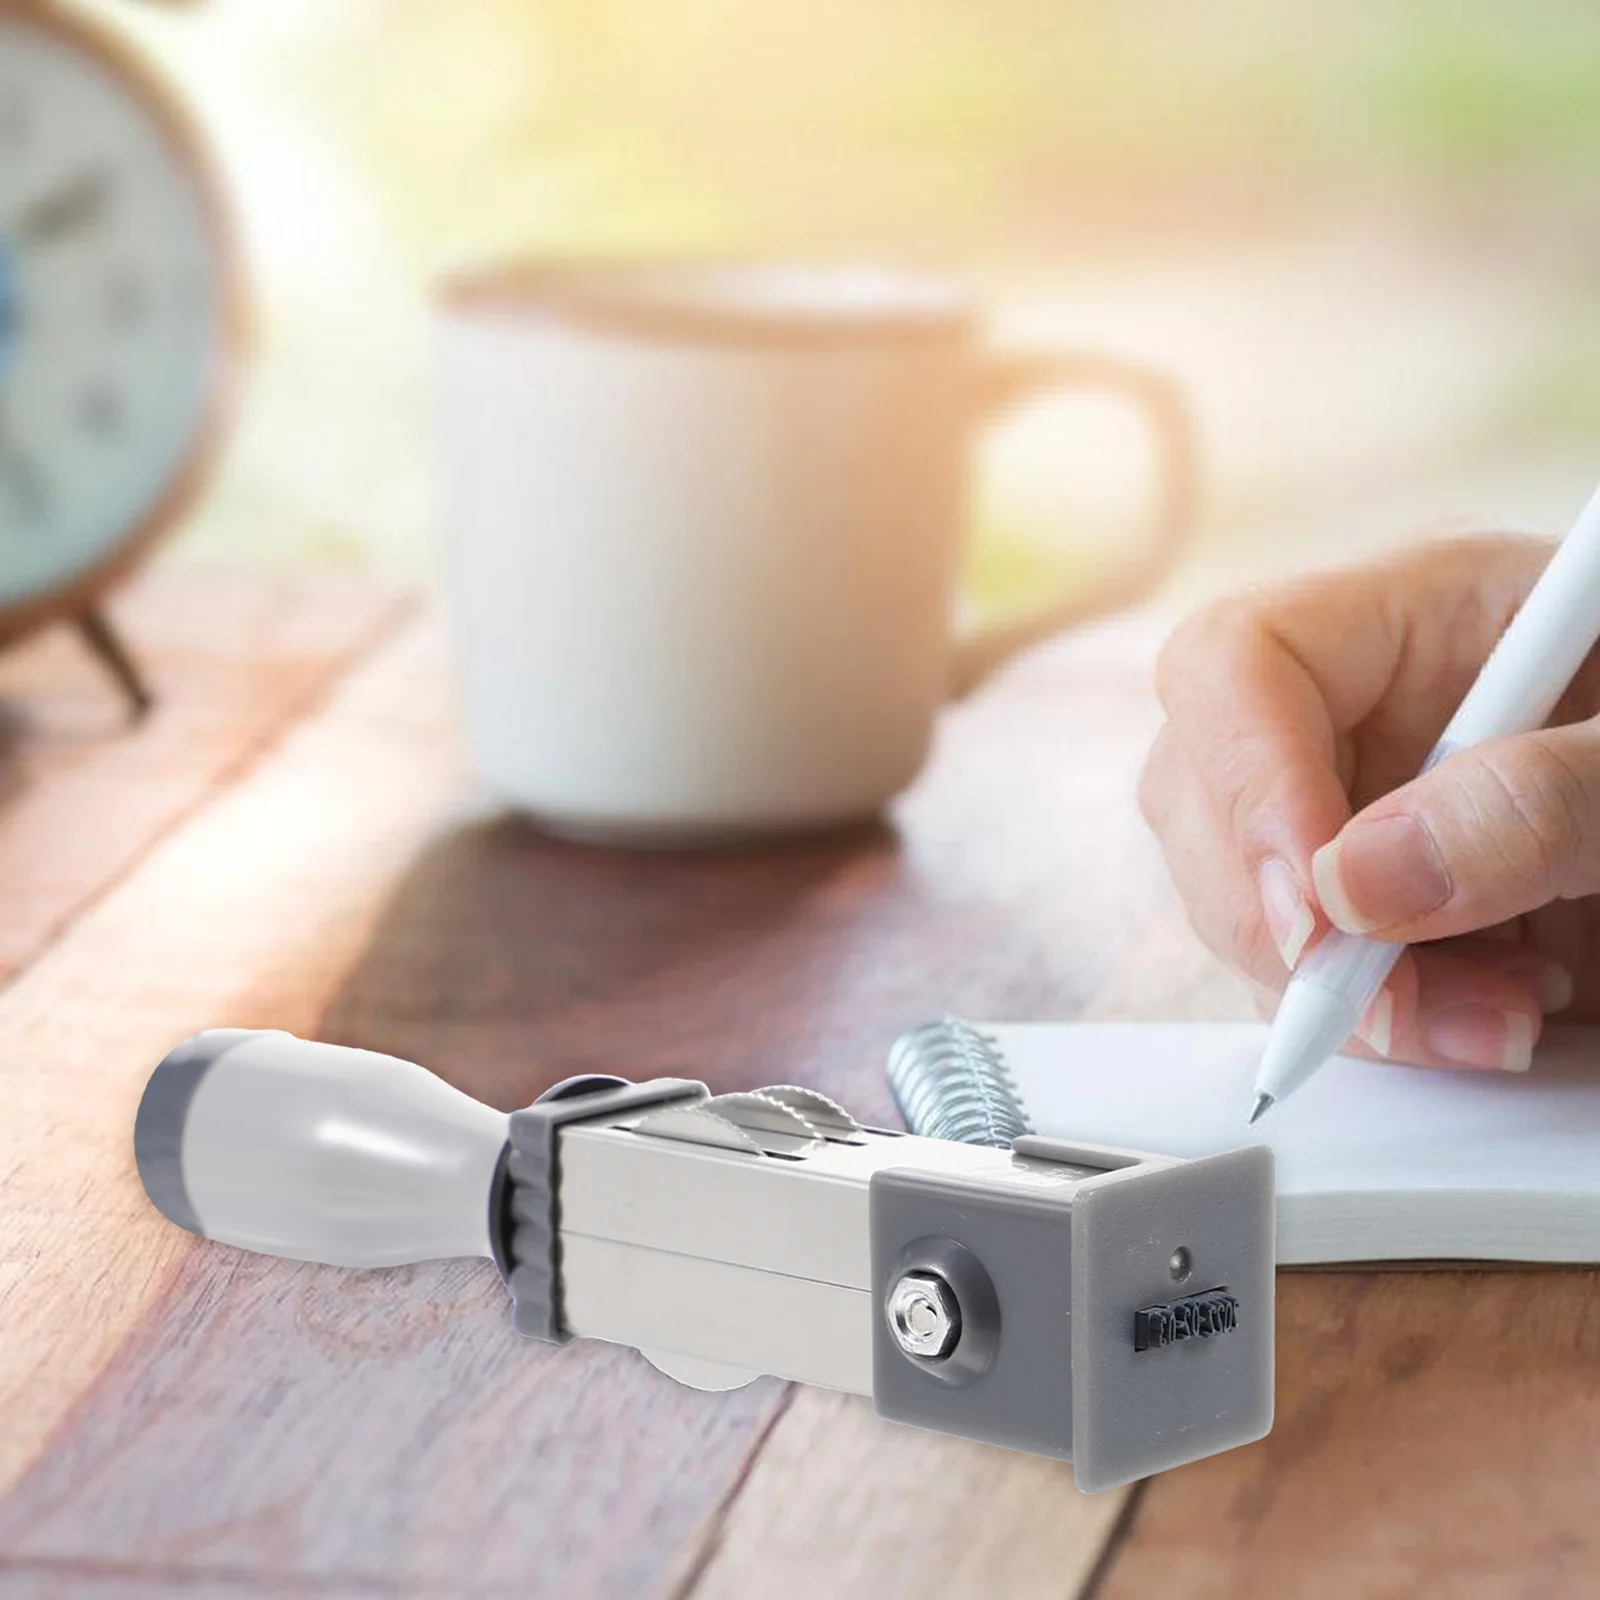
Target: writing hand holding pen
{"x": 1283, "y": 790}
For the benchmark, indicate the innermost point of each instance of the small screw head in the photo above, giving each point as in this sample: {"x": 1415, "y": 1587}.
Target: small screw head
{"x": 924, "y": 1315}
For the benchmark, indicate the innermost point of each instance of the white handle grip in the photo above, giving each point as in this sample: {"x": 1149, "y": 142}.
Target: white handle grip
{"x": 317, "y": 1152}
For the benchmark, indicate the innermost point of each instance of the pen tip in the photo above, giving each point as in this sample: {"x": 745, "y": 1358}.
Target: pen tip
{"x": 1264, "y": 1103}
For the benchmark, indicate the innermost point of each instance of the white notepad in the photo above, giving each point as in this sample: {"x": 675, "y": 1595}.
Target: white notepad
{"x": 1374, "y": 1163}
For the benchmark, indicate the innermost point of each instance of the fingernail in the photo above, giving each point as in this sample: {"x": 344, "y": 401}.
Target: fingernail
{"x": 1553, "y": 985}
{"x": 1376, "y": 1029}
{"x": 1481, "y": 1036}
{"x": 1284, "y": 904}
{"x": 1380, "y": 872}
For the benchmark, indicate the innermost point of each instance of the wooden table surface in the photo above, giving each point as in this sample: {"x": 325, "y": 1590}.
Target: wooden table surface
{"x": 291, "y": 842}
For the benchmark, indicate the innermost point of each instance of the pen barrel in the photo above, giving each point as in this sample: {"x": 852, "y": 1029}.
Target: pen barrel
{"x": 1350, "y": 965}
{"x": 317, "y": 1152}
{"x": 1540, "y": 652}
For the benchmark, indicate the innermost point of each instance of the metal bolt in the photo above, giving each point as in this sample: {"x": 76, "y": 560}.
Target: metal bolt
{"x": 924, "y": 1315}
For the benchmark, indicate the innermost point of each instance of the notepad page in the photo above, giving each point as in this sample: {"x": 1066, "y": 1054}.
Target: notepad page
{"x": 1374, "y": 1161}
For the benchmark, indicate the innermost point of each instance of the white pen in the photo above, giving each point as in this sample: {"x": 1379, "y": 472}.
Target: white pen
{"x": 1529, "y": 670}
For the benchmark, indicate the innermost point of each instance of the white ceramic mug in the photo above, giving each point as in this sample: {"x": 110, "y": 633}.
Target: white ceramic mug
{"x": 704, "y": 523}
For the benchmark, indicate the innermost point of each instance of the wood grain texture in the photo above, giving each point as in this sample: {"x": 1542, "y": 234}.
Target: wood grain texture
{"x": 1436, "y": 1433}
{"x": 245, "y": 1420}
{"x": 249, "y": 913}
{"x": 180, "y": 1407}
{"x": 90, "y": 1580}
{"x": 840, "y": 1502}
{"x": 181, "y": 1417}
{"x": 233, "y": 658}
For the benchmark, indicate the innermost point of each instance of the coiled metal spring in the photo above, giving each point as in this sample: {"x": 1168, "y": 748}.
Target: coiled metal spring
{"x": 951, "y": 1082}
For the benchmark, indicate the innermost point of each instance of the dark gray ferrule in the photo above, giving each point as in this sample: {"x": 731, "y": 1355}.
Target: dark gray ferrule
{"x": 163, "y": 1112}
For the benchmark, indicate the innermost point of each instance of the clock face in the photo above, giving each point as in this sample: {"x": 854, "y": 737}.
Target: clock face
{"x": 113, "y": 309}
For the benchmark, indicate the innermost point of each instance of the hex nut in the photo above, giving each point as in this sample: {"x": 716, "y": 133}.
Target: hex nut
{"x": 924, "y": 1315}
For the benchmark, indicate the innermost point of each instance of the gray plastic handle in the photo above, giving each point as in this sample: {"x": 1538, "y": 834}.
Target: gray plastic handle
{"x": 317, "y": 1152}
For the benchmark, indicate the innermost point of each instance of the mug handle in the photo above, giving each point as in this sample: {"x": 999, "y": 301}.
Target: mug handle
{"x": 1009, "y": 380}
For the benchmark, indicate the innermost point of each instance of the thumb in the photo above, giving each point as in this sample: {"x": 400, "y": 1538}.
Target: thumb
{"x": 1489, "y": 834}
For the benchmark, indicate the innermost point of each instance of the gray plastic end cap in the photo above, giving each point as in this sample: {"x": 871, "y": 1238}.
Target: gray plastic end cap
{"x": 526, "y": 1231}
{"x": 163, "y": 1111}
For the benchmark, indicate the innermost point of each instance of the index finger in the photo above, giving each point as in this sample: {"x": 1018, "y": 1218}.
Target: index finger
{"x": 1264, "y": 691}
{"x": 1257, "y": 728}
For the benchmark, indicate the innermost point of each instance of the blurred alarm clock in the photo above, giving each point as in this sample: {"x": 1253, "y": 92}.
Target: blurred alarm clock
{"x": 120, "y": 323}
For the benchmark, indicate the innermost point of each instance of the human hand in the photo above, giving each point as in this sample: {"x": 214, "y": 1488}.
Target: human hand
{"x": 1283, "y": 790}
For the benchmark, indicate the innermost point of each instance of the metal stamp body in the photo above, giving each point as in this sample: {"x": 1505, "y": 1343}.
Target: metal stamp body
{"x": 1018, "y": 1295}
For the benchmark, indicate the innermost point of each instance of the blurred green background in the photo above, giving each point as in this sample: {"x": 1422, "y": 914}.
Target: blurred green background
{"x": 1362, "y": 234}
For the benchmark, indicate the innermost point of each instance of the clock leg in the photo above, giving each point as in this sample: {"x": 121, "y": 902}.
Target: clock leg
{"x": 101, "y": 638}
